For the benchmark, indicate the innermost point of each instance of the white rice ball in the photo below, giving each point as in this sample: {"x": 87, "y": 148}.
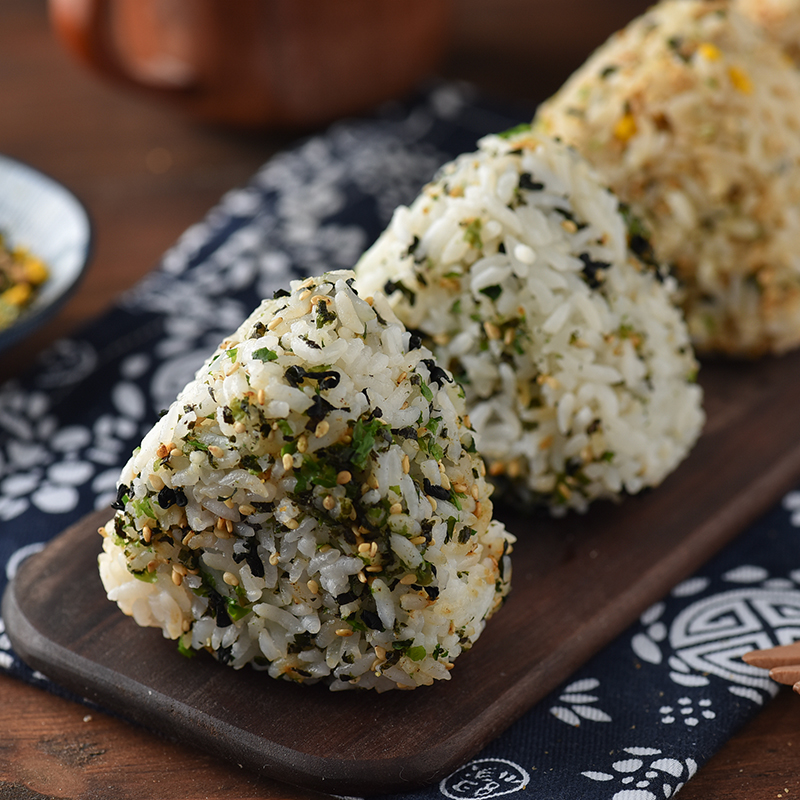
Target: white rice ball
{"x": 516, "y": 266}
{"x": 691, "y": 114}
{"x": 312, "y": 503}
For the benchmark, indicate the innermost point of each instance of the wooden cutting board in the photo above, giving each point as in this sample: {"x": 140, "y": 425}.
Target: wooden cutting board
{"x": 578, "y": 583}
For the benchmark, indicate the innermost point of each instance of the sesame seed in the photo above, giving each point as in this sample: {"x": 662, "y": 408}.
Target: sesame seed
{"x": 372, "y": 481}
{"x": 374, "y": 568}
{"x": 329, "y": 503}
{"x": 273, "y": 323}
{"x": 188, "y": 538}
{"x": 403, "y": 375}
{"x": 406, "y": 463}
{"x": 445, "y": 481}
{"x": 147, "y": 534}
{"x": 305, "y": 294}
{"x": 261, "y": 397}
{"x": 302, "y": 444}
{"x": 274, "y": 559}
{"x": 343, "y": 477}
{"x": 373, "y": 549}
{"x": 322, "y": 428}
{"x": 418, "y": 540}
{"x": 288, "y": 461}
{"x": 215, "y": 451}
{"x": 362, "y": 577}
{"x": 239, "y": 427}
{"x": 246, "y": 510}
{"x": 474, "y": 491}
{"x": 432, "y": 501}
{"x": 492, "y": 331}
{"x": 220, "y": 523}
{"x": 408, "y": 579}
{"x": 152, "y": 565}
{"x": 380, "y": 652}
{"x": 396, "y": 508}
{"x": 478, "y": 508}
{"x": 177, "y": 578}
{"x": 156, "y": 482}
{"x": 568, "y": 224}
{"x": 313, "y": 587}
{"x": 163, "y": 450}
{"x": 180, "y": 569}
{"x": 291, "y": 524}
{"x": 230, "y": 579}
{"x": 229, "y": 502}
{"x": 229, "y": 526}
{"x": 364, "y": 547}
{"x": 344, "y": 632}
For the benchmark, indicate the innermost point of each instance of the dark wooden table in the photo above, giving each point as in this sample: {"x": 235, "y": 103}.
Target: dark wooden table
{"x": 146, "y": 174}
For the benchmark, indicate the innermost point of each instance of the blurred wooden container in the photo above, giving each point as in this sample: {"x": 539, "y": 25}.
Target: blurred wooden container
{"x": 259, "y": 63}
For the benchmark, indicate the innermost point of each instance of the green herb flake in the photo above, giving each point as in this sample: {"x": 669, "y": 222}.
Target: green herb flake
{"x": 472, "y": 234}
{"x": 195, "y": 444}
{"x": 265, "y": 354}
{"x": 185, "y": 646}
{"x": 285, "y": 428}
{"x": 417, "y": 653}
{"x": 523, "y": 127}
{"x": 492, "y": 292}
{"x": 235, "y": 611}
{"x": 364, "y": 437}
{"x": 425, "y": 391}
{"x": 232, "y": 353}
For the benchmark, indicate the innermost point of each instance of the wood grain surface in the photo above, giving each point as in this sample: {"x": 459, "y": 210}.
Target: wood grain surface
{"x": 146, "y": 174}
{"x": 578, "y": 582}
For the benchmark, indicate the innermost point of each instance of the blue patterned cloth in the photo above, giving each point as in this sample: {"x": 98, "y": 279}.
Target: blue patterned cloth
{"x": 638, "y": 720}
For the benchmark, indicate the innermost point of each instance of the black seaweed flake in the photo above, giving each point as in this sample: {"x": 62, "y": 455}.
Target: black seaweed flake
{"x": 328, "y": 379}
{"x": 324, "y": 314}
{"x": 218, "y": 606}
{"x": 390, "y": 287}
{"x": 526, "y": 182}
{"x": 372, "y": 620}
{"x": 122, "y": 491}
{"x": 250, "y": 555}
{"x": 278, "y": 293}
{"x": 319, "y": 409}
{"x": 436, "y": 373}
{"x": 437, "y": 492}
{"x": 593, "y": 270}
{"x": 405, "y": 433}
{"x": 414, "y": 341}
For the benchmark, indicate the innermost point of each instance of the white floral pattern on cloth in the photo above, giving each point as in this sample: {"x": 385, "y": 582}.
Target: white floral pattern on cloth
{"x": 644, "y": 773}
{"x": 576, "y": 704}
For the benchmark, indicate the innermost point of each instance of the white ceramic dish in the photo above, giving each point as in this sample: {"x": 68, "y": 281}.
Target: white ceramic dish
{"x": 38, "y": 213}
